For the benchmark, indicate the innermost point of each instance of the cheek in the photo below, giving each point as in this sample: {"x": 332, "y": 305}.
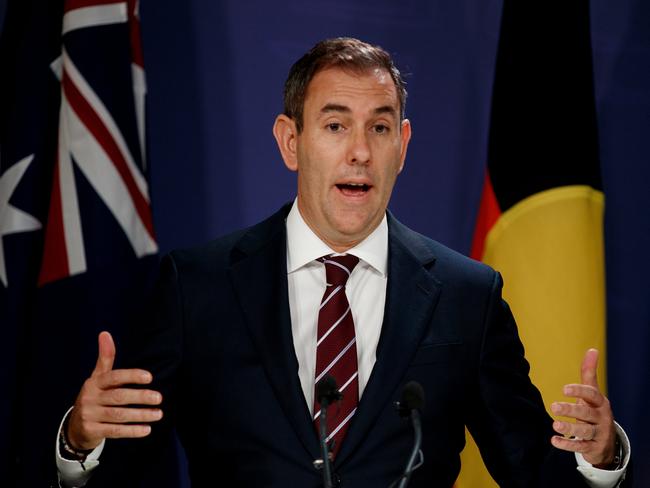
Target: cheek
{"x": 314, "y": 176}
{"x": 389, "y": 177}
{"x": 312, "y": 181}
{"x": 318, "y": 171}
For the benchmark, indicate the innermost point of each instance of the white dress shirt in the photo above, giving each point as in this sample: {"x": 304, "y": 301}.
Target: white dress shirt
{"x": 366, "y": 292}
{"x": 365, "y": 289}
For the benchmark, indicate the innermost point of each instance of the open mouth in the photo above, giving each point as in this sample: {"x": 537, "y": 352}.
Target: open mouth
{"x": 353, "y": 189}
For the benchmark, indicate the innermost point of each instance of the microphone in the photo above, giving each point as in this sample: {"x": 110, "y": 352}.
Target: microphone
{"x": 327, "y": 392}
{"x": 409, "y": 406}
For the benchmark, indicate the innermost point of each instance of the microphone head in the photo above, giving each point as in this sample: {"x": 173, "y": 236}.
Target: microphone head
{"x": 413, "y": 395}
{"x": 326, "y": 389}
{"x": 412, "y": 398}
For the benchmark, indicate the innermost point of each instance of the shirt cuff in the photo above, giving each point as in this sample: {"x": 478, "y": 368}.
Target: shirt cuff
{"x": 603, "y": 478}
{"x": 73, "y": 474}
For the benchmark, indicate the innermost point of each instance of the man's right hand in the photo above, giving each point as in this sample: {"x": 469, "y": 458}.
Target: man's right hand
{"x": 102, "y": 406}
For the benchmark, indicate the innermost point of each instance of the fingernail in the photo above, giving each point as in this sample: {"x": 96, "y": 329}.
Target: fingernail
{"x": 158, "y": 414}
{"x": 146, "y": 377}
{"x": 568, "y": 390}
{"x": 555, "y": 408}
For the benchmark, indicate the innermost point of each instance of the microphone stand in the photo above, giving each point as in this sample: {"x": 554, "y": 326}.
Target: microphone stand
{"x": 409, "y": 406}
{"x": 417, "y": 428}
{"x": 326, "y": 393}
{"x": 324, "y": 450}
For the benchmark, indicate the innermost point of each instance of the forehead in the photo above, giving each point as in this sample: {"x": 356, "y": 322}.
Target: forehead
{"x": 347, "y": 87}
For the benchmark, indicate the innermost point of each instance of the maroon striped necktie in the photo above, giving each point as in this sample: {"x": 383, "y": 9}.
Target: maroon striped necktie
{"x": 336, "y": 350}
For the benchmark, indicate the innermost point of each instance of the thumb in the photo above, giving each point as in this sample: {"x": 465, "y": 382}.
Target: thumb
{"x": 588, "y": 370}
{"x": 106, "y": 355}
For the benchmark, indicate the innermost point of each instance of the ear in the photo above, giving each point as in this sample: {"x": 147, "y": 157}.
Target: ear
{"x": 286, "y": 135}
{"x": 405, "y": 137}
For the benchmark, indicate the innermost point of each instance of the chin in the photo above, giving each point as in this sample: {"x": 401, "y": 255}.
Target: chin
{"x": 354, "y": 231}
{"x": 353, "y": 224}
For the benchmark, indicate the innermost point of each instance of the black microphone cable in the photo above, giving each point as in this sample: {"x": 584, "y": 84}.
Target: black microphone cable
{"x": 410, "y": 405}
{"x": 327, "y": 392}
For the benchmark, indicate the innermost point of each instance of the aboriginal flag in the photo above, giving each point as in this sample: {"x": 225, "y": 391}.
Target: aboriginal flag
{"x": 540, "y": 222}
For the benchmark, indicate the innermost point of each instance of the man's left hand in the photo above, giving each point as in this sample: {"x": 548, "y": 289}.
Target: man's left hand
{"x": 593, "y": 434}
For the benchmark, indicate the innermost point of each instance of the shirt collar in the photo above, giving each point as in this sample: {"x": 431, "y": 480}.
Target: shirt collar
{"x": 303, "y": 246}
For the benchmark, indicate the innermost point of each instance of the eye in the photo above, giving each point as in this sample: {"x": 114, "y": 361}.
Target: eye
{"x": 381, "y": 129}
{"x": 334, "y": 127}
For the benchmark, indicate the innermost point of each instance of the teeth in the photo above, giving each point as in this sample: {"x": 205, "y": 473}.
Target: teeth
{"x": 361, "y": 186}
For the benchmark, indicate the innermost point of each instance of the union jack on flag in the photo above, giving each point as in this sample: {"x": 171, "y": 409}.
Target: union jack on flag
{"x": 91, "y": 137}
{"x": 78, "y": 252}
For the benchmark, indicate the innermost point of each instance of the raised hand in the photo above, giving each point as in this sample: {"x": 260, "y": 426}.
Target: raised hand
{"x": 102, "y": 406}
{"x": 593, "y": 434}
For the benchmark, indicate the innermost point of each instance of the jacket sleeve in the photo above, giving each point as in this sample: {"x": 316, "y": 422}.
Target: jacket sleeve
{"x": 155, "y": 344}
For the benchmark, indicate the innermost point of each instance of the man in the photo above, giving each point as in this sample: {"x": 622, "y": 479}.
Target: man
{"x": 246, "y": 326}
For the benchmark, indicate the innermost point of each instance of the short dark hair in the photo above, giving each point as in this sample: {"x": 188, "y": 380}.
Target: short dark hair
{"x": 342, "y": 52}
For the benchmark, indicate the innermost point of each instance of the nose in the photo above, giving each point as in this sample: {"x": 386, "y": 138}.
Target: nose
{"x": 359, "y": 153}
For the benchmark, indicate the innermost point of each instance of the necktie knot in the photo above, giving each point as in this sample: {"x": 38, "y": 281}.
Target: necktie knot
{"x": 339, "y": 268}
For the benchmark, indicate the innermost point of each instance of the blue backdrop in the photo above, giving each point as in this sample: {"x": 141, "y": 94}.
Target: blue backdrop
{"x": 621, "y": 46}
{"x": 215, "y": 72}
{"x": 215, "y": 75}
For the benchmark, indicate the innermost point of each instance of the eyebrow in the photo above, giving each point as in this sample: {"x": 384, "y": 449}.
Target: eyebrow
{"x": 335, "y": 107}
{"x": 386, "y": 109}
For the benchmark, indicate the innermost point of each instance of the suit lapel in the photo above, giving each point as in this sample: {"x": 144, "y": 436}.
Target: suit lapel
{"x": 259, "y": 278}
{"x": 411, "y": 297}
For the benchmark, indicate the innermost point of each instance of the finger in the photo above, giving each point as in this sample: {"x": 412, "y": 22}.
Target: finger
{"x": 119, "y": 377}
{"x": 119, "y": 431}
{"x": 120, "y": 415}
{"x": 587, "y": 393}
{"x": 106, "y": 356}
{"x": 581, "y": 431}
{"x": 581, "y": 412}
{"x": 129, "y": 396}
{"x": 572, "y": 445}
{"x": 588, "y": 370}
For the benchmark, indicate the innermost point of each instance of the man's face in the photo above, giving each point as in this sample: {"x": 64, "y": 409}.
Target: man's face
{"x": 349, "y": 153}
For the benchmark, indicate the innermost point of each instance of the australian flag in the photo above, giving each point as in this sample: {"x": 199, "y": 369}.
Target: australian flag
{"x": 77, "y": 245}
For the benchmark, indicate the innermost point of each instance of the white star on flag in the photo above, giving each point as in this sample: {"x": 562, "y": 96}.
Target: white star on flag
{"x": 13, "y": 220}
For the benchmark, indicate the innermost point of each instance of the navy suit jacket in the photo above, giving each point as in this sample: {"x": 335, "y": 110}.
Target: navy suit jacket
{"x": 222, "y": 354}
